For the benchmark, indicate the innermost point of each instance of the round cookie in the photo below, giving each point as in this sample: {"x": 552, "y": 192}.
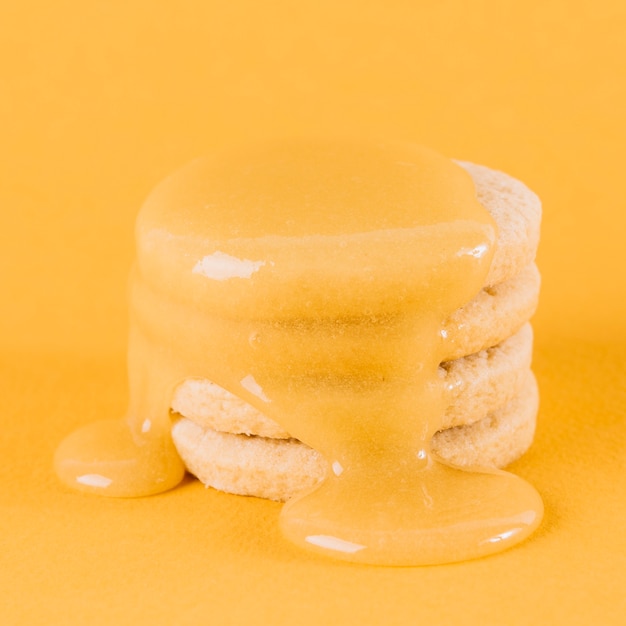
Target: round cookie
{"x": 475, "y": 385}
{"x": 279, "y": 468}
{"x": 517, "y": 212}
{"x": 494, "y": 314}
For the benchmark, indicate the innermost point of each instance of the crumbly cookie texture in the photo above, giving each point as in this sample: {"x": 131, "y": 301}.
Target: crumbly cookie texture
{"x": 494, "y": 314}
{"x": 517, "y": 212}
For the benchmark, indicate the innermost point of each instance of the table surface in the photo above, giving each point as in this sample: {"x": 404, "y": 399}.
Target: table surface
{"x": 100, "y": 100}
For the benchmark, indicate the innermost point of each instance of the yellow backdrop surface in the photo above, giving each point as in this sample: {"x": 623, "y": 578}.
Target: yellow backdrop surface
{"x": 99, "y": 99}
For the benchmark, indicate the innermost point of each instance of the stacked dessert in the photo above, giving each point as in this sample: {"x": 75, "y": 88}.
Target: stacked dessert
{"x": 491, "y": 394}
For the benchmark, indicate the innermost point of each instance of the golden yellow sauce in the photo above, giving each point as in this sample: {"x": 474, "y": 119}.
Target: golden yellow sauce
{"x": 313, "y": 279}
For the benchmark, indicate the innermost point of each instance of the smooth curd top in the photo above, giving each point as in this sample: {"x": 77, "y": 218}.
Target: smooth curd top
{"x": 296, "y": 215}
{"x": 303, "y": 188}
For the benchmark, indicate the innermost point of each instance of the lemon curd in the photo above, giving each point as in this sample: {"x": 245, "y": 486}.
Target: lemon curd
{"x": 313, "y": 280}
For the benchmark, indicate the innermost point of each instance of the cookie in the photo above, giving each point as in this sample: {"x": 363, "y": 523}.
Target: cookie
{"x": 517, "y": 212}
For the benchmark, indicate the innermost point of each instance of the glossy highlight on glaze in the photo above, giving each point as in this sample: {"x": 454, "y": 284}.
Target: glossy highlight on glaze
{"x": 313, "y": 279}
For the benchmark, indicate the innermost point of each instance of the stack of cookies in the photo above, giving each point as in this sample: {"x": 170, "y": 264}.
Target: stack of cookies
{"x": 491, "y": 394}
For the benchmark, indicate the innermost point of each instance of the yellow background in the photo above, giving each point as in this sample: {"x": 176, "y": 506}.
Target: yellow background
{"x": 100, "y": 99}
